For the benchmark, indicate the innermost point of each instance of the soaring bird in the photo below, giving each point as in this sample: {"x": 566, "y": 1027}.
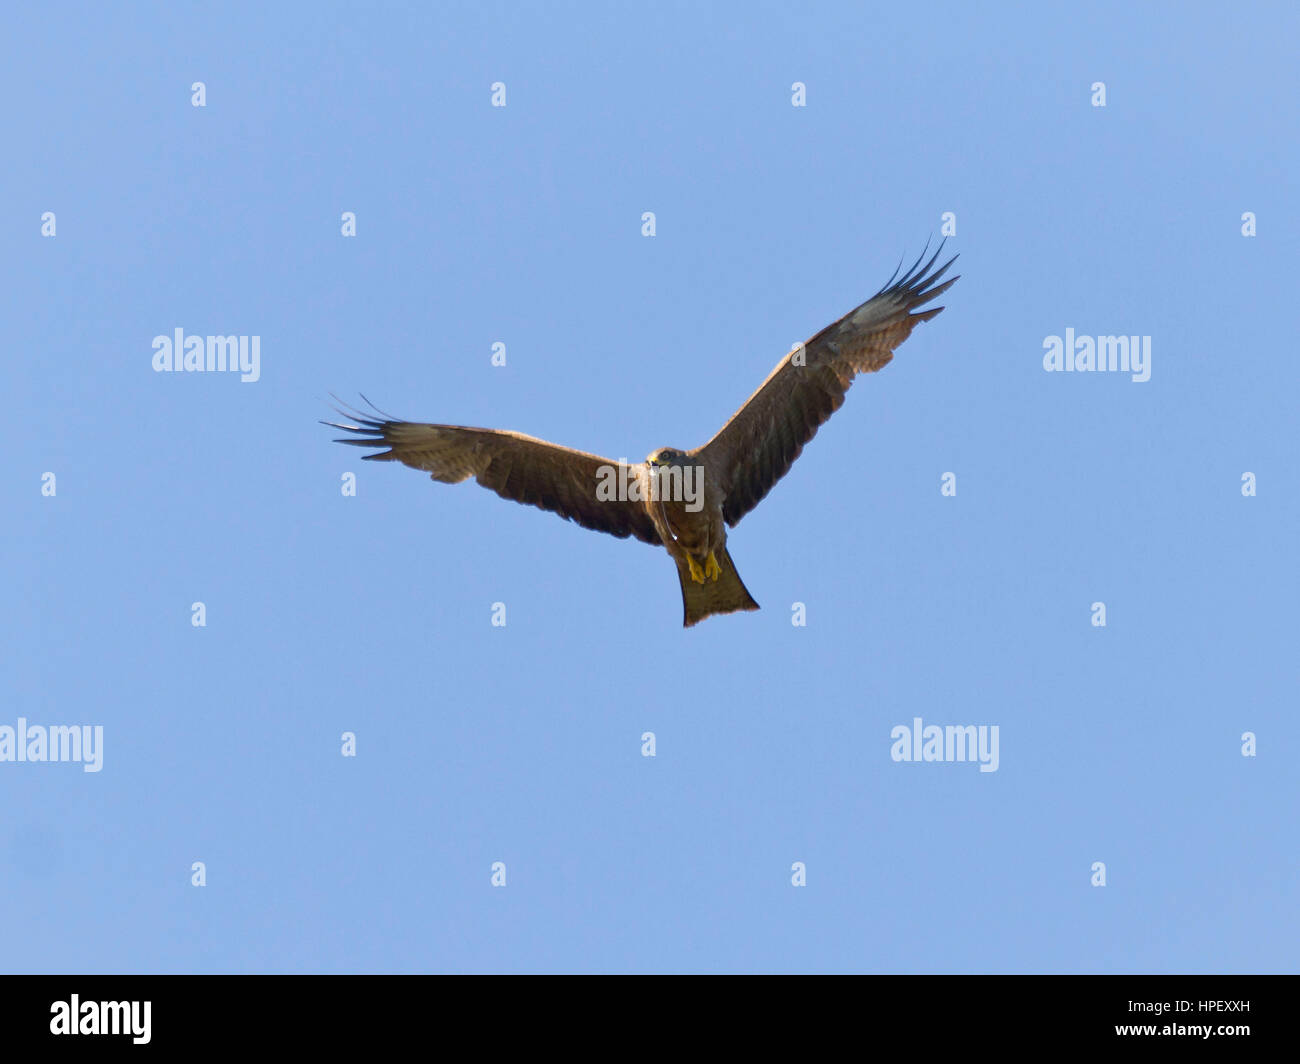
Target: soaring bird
{"x": 683, "y": 501}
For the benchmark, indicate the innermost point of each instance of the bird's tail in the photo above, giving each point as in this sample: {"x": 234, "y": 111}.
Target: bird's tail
{"x": 725, "y": 595}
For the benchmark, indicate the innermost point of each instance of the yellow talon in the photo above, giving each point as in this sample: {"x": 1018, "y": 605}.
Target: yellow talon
{"x": 697, "y": 574}
{"x": 711, "y": 568}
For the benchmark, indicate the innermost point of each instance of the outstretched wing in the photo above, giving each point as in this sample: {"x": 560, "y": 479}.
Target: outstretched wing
{"x": 516, "y": 467}
{"x": 759, "y": 444}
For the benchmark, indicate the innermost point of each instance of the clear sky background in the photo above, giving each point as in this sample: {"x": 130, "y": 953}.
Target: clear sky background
{"x": 522, "y": 225}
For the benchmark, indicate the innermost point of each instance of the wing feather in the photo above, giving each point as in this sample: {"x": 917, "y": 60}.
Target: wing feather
{"x": 517, "y": 467}
{"x": 758, "y": 445}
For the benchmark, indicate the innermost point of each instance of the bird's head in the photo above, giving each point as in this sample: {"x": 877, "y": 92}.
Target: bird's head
{"x": 665, "y": 458}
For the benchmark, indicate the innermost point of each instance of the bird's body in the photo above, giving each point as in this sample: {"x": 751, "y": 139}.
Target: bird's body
{"x": 681, "y": 500}
{"x": 684, "y": 500}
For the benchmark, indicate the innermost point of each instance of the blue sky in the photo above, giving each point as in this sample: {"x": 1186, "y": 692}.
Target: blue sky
{"x": 522, "y": 225}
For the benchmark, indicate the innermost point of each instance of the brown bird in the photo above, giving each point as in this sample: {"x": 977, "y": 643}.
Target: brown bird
{"x": 681, "y": 500}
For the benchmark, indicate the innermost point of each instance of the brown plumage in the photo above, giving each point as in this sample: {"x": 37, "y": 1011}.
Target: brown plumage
{"x": 715, "y": 485}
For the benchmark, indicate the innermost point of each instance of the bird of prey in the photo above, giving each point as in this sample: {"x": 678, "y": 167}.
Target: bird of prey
{"x": 683, "y": 501}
